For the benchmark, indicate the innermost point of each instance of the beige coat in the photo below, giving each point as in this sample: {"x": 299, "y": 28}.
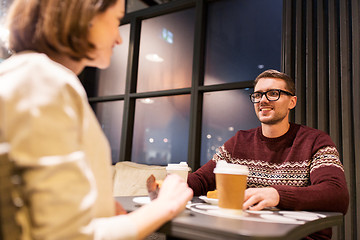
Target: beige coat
{"x": 55, "y": 136}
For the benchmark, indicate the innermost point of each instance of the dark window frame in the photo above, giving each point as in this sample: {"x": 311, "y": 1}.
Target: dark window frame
{"x": 196, "y": 90}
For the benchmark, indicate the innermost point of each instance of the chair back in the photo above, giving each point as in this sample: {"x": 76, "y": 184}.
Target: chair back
{"x": 130, "y": 178}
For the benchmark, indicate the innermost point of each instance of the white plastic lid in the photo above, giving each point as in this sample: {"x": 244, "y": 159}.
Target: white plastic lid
{"x": 230, "y": 168}
{"x": 178, "y": 166}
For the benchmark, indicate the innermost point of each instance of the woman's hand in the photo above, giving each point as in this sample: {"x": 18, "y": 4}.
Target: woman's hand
{"x": 172, "y": 199}
{"x": 174, "y": 194}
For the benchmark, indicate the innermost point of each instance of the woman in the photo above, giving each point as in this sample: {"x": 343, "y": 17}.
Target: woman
{"x": 53, "y": 133}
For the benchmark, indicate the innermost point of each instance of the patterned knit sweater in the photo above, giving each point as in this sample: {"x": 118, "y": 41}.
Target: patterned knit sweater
{"x": 303, "y": 165}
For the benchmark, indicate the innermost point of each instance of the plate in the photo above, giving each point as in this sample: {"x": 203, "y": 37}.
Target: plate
{"x": 212, "y": 201}
{"x": 213, "y": 210}
{"x": 278, "y": 218}
{"x": 141, "y": 200}
{"x": 207, "y": 207}
{"x": 259, "y": 212}
{"x": 301, "y": 215}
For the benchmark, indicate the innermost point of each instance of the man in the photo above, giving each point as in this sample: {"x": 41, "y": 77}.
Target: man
{"x": 291, "y": 166}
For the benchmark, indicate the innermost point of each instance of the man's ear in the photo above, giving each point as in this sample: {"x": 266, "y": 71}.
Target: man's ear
{"x": 292, "y": 102}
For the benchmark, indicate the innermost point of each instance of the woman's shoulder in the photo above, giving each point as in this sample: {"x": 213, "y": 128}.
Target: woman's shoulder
{"x": 33, "y": 64}
{"x": 36, "y": 71}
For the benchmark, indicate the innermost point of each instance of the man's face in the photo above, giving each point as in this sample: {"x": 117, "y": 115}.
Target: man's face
{"x": 273, "y": 112}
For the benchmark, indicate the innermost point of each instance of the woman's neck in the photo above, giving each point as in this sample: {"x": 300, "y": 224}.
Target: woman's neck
{"x": 66, "y": 61}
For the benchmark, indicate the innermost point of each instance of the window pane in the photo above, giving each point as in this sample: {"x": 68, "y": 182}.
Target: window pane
{"x": 166, "y": 52}
{"x": 243, "y": 39}
{"x": 110, "y": 115}
{"x": 112, "y": 80}
{"x": 4, "y": 51}
{"x": 161, "y": 130}
{"x": 225, "y": 113}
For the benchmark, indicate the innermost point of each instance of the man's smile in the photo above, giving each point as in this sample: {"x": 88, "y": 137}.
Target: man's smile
{"x": 265, "y": 108}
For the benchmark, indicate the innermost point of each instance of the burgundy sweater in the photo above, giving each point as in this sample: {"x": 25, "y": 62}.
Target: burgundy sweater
{"x": 303, "y": 165}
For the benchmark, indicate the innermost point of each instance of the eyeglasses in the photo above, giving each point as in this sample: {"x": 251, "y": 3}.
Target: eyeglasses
{"x": 271, "y": 95}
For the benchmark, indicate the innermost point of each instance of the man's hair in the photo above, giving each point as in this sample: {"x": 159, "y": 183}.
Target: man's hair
{"x": 290, "y": 85}
{"x": 54, "y": 26}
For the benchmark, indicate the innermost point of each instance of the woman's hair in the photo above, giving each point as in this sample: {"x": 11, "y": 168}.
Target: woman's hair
{"x": 54, "y": 26}
{"x": 290, "y": 85}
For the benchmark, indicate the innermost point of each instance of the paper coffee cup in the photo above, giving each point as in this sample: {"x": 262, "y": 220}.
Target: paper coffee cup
{"x": 181, "y": 169}
{"x": 231, "y": 184}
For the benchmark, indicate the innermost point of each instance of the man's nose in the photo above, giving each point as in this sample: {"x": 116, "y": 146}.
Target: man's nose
{"x": 264, "y": 98}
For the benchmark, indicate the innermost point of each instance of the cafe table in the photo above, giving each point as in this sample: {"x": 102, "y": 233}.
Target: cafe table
{"x": 201, "y": 220}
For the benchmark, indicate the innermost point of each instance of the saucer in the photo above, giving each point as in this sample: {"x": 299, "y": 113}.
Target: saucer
{"x": 141, "y": 200}
{"x": 146, "y": 200}
{"x": 212, "y": 201}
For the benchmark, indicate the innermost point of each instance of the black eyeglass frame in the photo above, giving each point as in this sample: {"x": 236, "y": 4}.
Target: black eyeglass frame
{"x": 265, "y": 93}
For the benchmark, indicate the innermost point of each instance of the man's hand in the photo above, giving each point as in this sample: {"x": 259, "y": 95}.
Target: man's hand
{"x": 258, "y": 198}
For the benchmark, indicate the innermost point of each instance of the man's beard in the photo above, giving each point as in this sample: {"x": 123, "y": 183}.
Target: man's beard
{"x": 276, "y": 119}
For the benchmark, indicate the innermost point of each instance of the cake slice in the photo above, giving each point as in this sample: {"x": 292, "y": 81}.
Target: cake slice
{"x": 153, "y": 187}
